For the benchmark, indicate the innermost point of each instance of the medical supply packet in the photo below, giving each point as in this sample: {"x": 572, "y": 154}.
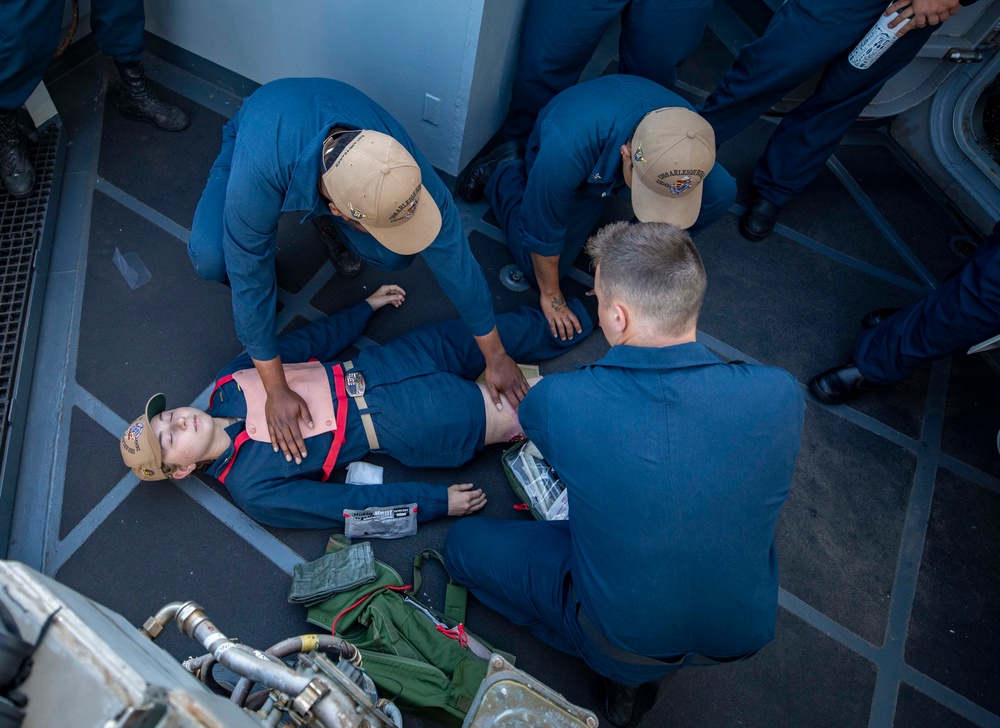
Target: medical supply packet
{"x": 536, "y": 482}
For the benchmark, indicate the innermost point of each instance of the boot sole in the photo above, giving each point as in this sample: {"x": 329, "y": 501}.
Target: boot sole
{"x": 140, "y": 117}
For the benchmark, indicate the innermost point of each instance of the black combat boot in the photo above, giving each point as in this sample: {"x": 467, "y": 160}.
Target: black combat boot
{"x": 137, "y": 100}
{"x": 15, "y": 167}
{"x": 625, "y": 705}
{"x": 346, "y": 261}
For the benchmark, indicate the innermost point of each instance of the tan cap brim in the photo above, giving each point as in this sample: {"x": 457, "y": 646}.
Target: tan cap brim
{"x": 681, "y": 211}
{"x": 412, "y": 235}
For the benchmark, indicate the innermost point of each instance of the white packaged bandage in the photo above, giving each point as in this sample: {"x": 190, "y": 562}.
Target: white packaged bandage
{"x": 362, "y": 473}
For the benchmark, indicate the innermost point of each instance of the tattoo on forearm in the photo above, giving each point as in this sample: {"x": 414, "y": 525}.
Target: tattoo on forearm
{"x": 558, "y": 303}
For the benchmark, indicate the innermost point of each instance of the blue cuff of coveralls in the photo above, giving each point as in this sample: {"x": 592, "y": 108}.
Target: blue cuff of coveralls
{"x": 533, "y": 243}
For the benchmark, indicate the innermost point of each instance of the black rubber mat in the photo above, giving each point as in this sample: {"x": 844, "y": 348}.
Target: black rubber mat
{"x": 425, "y": 301}
{"x": 803, "y": 678}
{"x": 174, "y": 165}
{"x": 185, "y": 554}
{"x": 840, "y": 530}
{"x": 953, "y": 629}
{"x": 972, "y": 416}
{"x": 171, "y": 335}
{"x": 300, "y": 252}
{"x": 913, "y": 708}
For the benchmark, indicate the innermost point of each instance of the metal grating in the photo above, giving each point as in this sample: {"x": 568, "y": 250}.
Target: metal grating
{"x": 21, "y": 224}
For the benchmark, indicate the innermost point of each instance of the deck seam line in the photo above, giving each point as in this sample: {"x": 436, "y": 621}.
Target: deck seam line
{"x": 260, "y": 539}
{"x": 954, "y": 701}
{"x": 144, "y": 211}
{"x": 863, "y": 201}
{"x": 911, "y": 548}
{"x": 843, "y": 258}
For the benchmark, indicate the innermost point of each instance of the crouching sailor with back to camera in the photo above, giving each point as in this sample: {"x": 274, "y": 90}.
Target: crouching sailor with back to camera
{"x": 676, "y": 465}
{"x": 413, "y": 398}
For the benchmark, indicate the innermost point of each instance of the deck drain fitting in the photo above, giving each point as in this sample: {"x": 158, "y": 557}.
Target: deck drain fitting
{"x": 512, "y": 278}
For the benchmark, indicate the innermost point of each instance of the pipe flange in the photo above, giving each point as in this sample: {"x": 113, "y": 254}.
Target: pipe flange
{"x": 310, "y": 695}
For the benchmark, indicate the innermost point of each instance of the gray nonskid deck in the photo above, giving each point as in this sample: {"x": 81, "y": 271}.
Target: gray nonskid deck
{"x": 888, "y": 543}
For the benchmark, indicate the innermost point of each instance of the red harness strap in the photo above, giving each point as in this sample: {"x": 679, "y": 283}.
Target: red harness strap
{"x": 338, "y": 435}
{"x": 237, "y": 444}
{"x": 222, "y": 380}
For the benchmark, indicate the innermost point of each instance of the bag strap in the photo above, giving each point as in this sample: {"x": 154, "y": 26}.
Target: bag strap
{"x": 362, "y": 600}
{"x": 456, "y": 596}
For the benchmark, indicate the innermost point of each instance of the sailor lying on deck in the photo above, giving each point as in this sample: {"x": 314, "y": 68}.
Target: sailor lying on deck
{"x": 413, "y": 398}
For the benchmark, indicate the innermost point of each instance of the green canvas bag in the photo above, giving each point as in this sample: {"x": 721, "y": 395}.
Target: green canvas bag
{"x": 420, "y": 659}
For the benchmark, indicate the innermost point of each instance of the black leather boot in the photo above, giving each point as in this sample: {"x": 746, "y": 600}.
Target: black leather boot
{"x": 137, "y": 100}
{"x": 346, "y": 261}
{"x": 473, "y": 181}
{"x": 625, "y": 705}
{"x": 15, "y": 168}
{"x": 759, "y": 219}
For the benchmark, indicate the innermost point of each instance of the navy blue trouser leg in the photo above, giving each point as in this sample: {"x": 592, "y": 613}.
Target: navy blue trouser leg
{"x": 519, "y": 570}
{"x": 643, "y": 49}
{"x": 799, "y": 148}
{"x": 956, "y": 315}
{"x": 118, "y": 27}
{"x": 29, "y": 35}
{"x": 205, "y": 244}
{"x": 505, "y": 191}
{"x": 559, "y": 38}
{"x": 450, "y": 346}
{"x": 803, "y": 37}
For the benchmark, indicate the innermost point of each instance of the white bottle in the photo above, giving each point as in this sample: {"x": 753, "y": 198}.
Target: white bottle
{"x": 877, "y": 42}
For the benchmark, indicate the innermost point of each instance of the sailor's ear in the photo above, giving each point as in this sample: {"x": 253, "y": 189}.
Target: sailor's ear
{"x": 180, "y": 473}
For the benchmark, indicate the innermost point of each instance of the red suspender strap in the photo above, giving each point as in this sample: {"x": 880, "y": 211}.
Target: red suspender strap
{"x": 237, "y": 444}
{"x": 222, "y": 380}
{"x": 338, "y": 436}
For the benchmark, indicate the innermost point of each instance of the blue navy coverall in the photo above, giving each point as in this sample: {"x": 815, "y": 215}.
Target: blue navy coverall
{"x": 425, "y": 406}
{"x": 802, "y": 38}
{"x": 962, "y": 312}
{"x": 29, "y": 35}
{"x": 559, "y": 37}
{"x": 677, "y": 465}
{"x": 270, "y": 163}
{"x": 550, "y": 201}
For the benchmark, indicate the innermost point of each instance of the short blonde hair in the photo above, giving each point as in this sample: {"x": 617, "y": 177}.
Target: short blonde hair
{"x": 654, "y": 269}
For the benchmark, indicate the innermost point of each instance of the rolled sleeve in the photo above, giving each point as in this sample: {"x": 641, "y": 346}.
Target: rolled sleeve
{"x": 554, "y": 178}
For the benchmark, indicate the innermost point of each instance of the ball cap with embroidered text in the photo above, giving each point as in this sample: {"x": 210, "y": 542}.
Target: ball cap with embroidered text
{"x": 672, "y": 150}
{"x": 376, "y": 182}
{"x": 139, "y": 446}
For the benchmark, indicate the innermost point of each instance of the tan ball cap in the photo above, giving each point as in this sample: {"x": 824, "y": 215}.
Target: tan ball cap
{"x": 672, "y": 150}
{"x": 376, "y": 182}
{"x": 139, "y": 446}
